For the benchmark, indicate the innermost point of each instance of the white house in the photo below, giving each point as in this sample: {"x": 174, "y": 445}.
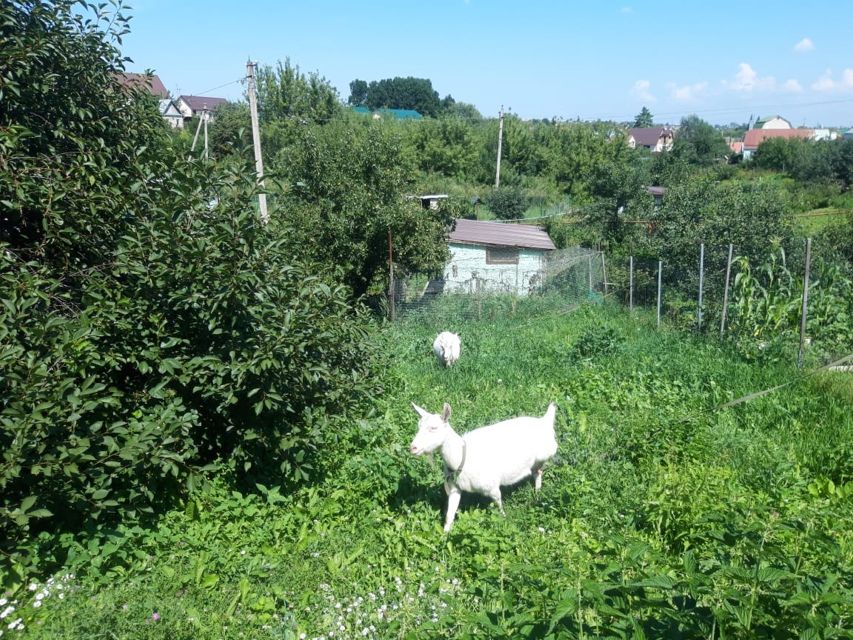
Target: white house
{"x": 656, "y": 139}
{"x": 776, "y": 122}
{"x": 202, "y": 106}
{"x": 496, "y": 257}
{"x": 171, "y": 114}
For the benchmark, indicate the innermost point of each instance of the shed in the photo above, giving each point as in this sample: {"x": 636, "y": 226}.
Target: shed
{"x": 496, "y": 257}
{"x": 430, "y": 201}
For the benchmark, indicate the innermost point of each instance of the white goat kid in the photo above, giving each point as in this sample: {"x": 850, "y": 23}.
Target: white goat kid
{"x": 487, "y": 458}
{"x": 447, "y": 348}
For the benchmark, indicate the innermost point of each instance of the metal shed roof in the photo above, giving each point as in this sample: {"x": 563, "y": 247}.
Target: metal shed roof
{"x": 501, "y": 235}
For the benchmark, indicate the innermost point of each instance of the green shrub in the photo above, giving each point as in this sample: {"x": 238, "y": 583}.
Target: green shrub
{"x": 150, "y": 324}
{"x": 507, "y": 203}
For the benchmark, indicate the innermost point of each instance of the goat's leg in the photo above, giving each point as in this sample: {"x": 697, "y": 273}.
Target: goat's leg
{"x": 495, "y": 494}
{"x": 537, "y": 484}
{"x": 453, "y": 496}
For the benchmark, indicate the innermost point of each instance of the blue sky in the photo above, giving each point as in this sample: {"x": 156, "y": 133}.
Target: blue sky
{"x": 723, "y": 60}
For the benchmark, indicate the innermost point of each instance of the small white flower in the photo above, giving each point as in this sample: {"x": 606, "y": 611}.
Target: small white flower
{"x": 3, "y": 602}
{"x": 302, "y": 636}
{"x": 365, "y": 631}
{"x": 14, "y": 624}
{"x": 36, "y": 604}
{"x": 6, "y": 612}
{"x": 61, "y": 596}
{"x": 41, "y": 595}
{"x": 33, "y": 586}
{"x": 541, "y": 529}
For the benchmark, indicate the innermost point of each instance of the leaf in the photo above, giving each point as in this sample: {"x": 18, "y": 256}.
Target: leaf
{"x": 26, "y": 503}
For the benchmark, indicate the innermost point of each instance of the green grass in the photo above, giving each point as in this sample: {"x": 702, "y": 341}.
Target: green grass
{"x": 659, "y": 516}
{"x": 816, "y": 220}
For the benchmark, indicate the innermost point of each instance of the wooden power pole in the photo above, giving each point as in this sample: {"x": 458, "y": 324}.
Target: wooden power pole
{"x": 256, "y": 139}
{"x": 500, "y": 144}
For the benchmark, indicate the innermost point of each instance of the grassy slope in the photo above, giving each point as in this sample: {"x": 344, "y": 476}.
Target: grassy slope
{"x": 658, "y": 514}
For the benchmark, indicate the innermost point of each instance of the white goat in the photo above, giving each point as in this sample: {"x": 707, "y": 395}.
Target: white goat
{"x": 483, "y": 460}
{"x": 447, "y": 347}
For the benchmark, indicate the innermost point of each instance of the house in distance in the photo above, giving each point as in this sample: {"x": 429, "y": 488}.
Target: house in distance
{"x": 496, "y": 257}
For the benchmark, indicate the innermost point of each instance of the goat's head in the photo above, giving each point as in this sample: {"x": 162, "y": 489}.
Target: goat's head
{"x": 432, "y": 430}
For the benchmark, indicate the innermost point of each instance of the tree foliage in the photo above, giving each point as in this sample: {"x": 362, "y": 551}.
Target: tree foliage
{"x": 808, "y": 160}
{"x": 507, "y": 203}
{"x": 287, "y": 94}
{"x": 644, "y": 118}
{"x": 151, "y": 324}
{"x": 346, "y": 182}
{"x": 699, "y": 143}
{"x": 358, "y": 90}
{"x": 398, "y": 93}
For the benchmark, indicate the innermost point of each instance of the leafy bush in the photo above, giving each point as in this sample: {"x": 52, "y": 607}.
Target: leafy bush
{"x": 151, "y": 325}
{"x": 596, "y": 341}
{"x": 507, "y": 203}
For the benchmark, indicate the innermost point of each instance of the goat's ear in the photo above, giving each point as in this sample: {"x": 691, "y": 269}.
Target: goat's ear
{"x": 419, "y": 411}
{"x": 445, "y": 413}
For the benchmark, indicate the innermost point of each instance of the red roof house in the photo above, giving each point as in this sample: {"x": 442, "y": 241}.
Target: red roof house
{"x": 152, "y": 83}
{"x": 755, "y": 137}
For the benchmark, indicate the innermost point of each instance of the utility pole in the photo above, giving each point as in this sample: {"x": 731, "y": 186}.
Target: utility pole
{"x": 256, "y": 139}
{"x": 204, "y": 116}
{"x": 500, "y": 144}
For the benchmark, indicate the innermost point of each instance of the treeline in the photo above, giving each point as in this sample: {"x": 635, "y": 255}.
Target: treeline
{"x": 586, "y": 170}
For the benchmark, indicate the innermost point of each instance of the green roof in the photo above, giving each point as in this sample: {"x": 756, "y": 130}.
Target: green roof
{"x": 402, "y": 114}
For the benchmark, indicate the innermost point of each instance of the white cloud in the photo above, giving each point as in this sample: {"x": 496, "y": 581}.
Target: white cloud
{"x": 626, "y": 9}
{"x": 826, "y": 82}
{"x": 642, "y": 89}
{"x": 804, "y": 46}
{"x": 687, "y": 92}
{"x": 747, "y": 79}
{"x": 792, "y": 86}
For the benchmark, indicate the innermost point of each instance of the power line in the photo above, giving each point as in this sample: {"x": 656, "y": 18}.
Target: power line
{"x": 201, "y": 93}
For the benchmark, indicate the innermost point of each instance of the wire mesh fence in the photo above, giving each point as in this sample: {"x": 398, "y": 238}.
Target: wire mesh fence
{"x": 776, "y": 309}
{"x": 477, "y": 287}
{"x": 716, "y": 292}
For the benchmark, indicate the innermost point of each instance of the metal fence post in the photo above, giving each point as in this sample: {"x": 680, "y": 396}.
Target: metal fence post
{"x": 660, "y": 271}
{"x": 801, "y": 354}
{"x": 701, "y": 282}
{"x": 726, "y": 291}
{"x": 631, "y": 284}
{"x": 604, "y": 274}
{"x": 589, "y": 269}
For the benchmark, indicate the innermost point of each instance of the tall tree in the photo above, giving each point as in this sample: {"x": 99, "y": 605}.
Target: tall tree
{"x": 644, "y": 118}
{"x": 284, "y": 92}
{"x": 697, "y": 142}
{"x": 404, "y": 93}
{"x": 350, "y": 179}
{"x": 357, "y": 93}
